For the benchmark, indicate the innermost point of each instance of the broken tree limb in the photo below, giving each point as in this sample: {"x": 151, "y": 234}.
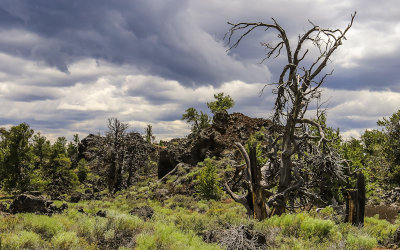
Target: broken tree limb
{"x": 169, "y": 173}
{"x": 239, "y": 199}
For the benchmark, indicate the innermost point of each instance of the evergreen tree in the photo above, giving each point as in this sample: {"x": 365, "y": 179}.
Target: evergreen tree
{"x": 16, "y": 157}
{"x": 221, "y": 104}
{"x": 73, "y": 150}
{"x": 392, "y": 147}
{"x": 41, "y": 149}
{"x": 198, "y": 120}
{"x": 58, "y": 170}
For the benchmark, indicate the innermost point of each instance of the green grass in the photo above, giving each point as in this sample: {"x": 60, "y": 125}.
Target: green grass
{"x": 178, "y": 223}
{"x": 21, "y": 240}
{"x": 168, "y": 236}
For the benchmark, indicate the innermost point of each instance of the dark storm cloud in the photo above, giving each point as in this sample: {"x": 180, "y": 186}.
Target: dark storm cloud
{"x": 34, "y": 123}
{"x": 30, "y": 97}
{"x": 376, "y": 73}
{"x": 172, "y": 115}
{"x": 7, "y": 19}
{"x": 346, "y": 123}
{"x": 178, "y": 40}
{"x": 63, "y": 120}
{"x": 156, "y": 36}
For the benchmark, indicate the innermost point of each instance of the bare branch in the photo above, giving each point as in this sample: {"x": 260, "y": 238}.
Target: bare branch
{"x": 318, "y": 126}
{"x": 169, "y": 173}
{"x": 239, "y": 199}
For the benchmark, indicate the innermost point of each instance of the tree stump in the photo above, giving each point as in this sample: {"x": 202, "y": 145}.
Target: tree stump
{"x": 355, "y": 202}
{"x": 361, "y": 197}
{"x": 352, "y": 207}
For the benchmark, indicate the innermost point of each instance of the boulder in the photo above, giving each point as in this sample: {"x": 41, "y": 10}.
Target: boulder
{"x": 80, "y": 210}
{"x": 240, "y": 237}
{"x": 26, "y": 203}
{"x": 75, "y": 198}
{"x": 101, "y": 213}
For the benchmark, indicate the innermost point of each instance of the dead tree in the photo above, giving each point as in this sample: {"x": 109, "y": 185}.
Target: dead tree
{"x": 355, "y": 202}
{"x": 119, "y": 156}
{"x": 115, "y": 138}
{"x": 136, "y": 157}
{"x": 298, "y": 85}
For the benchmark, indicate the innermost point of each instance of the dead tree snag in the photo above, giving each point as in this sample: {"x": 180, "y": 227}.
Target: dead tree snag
{"x": 301, "y": 143}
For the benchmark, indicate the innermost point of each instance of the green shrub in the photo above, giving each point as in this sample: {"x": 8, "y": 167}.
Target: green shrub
{"x": 83, "y": 170}
{"x": 44, "y": 225}
{"x": 166, "y": 236}
{"x": 21, "y": 240}
{"x": 109, "y": 235}
{"x": 288, "y": 223}
{"x": 302, "y": 225}
{"x": 360, "y": 242}
{"x": 86, "y": 228}
{"x": 124, "y": 223}
{"x": 66, "y": 240}
{"x": 192, "y": 221}
{"x": 208, "y": 181}
{"x": 311, "y": 227}
{"x": 382, "y": 230}
{"x": 9, "y": 223}
{"x": 37, "y": 181}
{"x": 91, "y": 228}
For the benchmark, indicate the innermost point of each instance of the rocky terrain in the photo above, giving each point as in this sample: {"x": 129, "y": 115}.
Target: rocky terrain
{"x": 216, "y": 141}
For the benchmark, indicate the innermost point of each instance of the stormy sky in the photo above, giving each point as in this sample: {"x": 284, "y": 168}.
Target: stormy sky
{"x": 68, "y": 65}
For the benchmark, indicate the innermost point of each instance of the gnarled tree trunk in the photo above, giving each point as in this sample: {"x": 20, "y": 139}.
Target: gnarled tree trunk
{"x": 298, "y": 85}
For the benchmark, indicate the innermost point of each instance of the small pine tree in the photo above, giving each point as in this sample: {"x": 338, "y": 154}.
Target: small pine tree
{"x": 83, "y": 170}
{"x": 208, "y": 181}
{"x": 221, "y": 104}
{"x": 198, "y": 120}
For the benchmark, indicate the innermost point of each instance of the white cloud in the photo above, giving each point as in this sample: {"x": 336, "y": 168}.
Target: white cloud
{"x": 352, "y": 133}
{"x": 111, "y": 91}
{"x": 356, "y": 111}
{"x": 99, "y": 90}
{"x": 366, "y": 43}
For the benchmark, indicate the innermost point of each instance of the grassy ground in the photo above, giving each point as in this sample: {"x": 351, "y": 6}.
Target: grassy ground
{"x": 181, "y": 223}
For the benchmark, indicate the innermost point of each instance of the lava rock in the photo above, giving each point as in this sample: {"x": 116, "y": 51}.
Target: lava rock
{"x": 225, "y": 130}
{"x": 101, "y": 213}
{"x": 144, "y": 212}
{"x": 26, "y": 203}
{"x": 75, "y": 198}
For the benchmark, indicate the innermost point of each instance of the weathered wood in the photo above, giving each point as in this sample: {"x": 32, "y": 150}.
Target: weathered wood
{"x": 355, "y": 203}
{"x": 296, "y": 88}
{"x": 352, "y": 207}
{"x": 259, "y": 196}
{"x": 255, "y": 199}
{"x": 361, "y": 197}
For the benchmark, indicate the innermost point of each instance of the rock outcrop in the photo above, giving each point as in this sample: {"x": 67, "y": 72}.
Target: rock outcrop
{"x": 26, "y": 203}
{"x": 225, "y": 130}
